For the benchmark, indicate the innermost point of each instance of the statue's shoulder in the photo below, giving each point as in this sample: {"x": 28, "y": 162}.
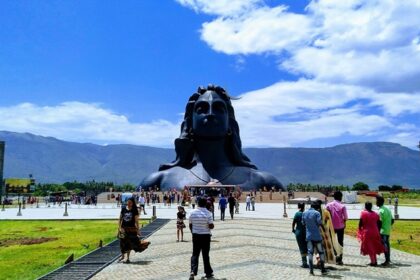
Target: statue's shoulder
{"x": 267, "y": 179}
{"x": 161, "y": 178}
{"x": 153, "y": 179}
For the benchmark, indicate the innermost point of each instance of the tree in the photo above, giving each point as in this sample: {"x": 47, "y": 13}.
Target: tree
{"x": 396, "y": 187}
{"x": 384, "y": 188}
{"x": 360, "y": 186}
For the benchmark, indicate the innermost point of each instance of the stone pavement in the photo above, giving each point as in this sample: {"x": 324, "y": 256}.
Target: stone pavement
{"x": 251, "y": 249}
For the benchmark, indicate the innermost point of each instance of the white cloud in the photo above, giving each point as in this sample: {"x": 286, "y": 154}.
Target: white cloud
{"x": 357, "y": 61}
{"x": 221, "y": 7}
{"x": 406, "y": 138}
{"x": 76, "y": 121}
{"x": 374, "y": 43}
{"x": 389, "y": 70}
{"x": 296, "y": 97}
{"x": 289, "y": 113}
{"x": 284, "y": 114}
{"x": 395, "y": 104}
{"x": 261, "y": 30}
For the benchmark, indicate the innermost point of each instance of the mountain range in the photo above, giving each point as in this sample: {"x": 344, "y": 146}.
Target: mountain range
{"x": 55, "y": 161}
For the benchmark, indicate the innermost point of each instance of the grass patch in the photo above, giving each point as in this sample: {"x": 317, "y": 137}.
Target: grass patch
{"x": 404, "y": 199}
{"x": 29, "y": 249}
{"x": 405, "y": 235}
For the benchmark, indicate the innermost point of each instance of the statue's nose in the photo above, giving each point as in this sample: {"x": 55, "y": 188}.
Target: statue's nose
{"x": 210, "y": 113}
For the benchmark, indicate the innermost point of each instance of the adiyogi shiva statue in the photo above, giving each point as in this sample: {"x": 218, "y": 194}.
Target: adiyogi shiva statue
{"x": 209, "y": 148}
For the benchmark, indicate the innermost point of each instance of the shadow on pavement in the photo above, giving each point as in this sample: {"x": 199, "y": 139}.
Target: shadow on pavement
{"x": 354, "y": 265}
{"x": 140, "y": 262}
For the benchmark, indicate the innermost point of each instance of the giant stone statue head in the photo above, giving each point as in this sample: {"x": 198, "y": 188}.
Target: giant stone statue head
{"x": 209, "y": 148}
{"x": 209, "y": 115}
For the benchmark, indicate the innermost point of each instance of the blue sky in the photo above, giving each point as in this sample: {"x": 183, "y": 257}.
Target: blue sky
{"x": 309, "y": 73}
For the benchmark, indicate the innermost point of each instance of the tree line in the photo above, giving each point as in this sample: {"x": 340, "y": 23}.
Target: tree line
{"x": 94, "y": 188}
{"x": 82, "y": 188}
{"x": 359, "y": 186}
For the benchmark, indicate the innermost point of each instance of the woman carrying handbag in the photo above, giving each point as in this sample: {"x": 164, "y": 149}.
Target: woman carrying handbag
{"x": 129, "y": 231}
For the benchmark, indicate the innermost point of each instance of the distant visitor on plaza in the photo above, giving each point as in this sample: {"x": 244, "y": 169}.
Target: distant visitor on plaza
{"x": 209, "y": 148}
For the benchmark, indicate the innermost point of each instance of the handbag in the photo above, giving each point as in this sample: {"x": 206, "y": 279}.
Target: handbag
{"x": 144, "y": 244}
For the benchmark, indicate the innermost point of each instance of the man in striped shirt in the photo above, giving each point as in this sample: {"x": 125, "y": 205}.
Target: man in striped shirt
{"x": 201, "y": 224}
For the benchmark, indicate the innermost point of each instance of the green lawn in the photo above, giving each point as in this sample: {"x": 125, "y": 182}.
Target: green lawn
{"x": 405, "y": 235}
{"x": 56, "y": 241}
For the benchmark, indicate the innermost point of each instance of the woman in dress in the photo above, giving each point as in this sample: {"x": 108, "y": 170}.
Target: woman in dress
{"x": 128, "y": 231}
{"x": 180, "y": 225}
{"x": 368, "y": 234}
{"x": 300, "y": 232}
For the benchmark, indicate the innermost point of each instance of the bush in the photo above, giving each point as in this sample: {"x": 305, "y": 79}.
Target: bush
{"x": 396, "y": 188}
{"x": 360, "y": 186}
{"x": 384, "y": 188}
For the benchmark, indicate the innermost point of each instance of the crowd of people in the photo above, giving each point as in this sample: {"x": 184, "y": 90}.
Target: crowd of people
{"x": 320, "y": 230}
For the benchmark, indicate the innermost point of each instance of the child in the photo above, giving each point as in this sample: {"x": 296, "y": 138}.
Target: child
{"x": 180, "y": 225}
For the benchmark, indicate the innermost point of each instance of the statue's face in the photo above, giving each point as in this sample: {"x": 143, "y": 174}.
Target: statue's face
{"x": 210, "y": 117}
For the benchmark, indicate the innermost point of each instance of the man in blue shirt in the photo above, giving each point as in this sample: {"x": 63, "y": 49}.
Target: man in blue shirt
{"x": 222, "y": 207}
{"x": 311, "y": 218}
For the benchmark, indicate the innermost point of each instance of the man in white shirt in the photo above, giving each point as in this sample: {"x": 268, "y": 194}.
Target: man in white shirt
{"x": 142, "y": 202}
{"x": 248, "y": 203}
{"x": 201, "y": 224}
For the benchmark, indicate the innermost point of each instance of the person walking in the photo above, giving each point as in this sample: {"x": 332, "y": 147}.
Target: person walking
{"x": 339, "y": 217}
{"x": 201, "y": 224}
{"x": 311, "y": 219}
{"x": 210, "y": 205}
{"x": 248, "y": 203}
{"x": 300, "y": 232}
{"x": 253, "y": 203}
{"x": 332, "y": 248}
{"x": 222, "y": 207}
{"x": 128, "y": 230}
{"x": 386, "y": 222}
{"x": 231, "y": 202}
{"x": 368, "y": 234}
{"x": 142, "y": 202}
{"x": 180, "y": 225}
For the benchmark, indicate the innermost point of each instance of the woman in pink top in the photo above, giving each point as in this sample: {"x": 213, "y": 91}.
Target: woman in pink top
{"x": 368, "y": 234}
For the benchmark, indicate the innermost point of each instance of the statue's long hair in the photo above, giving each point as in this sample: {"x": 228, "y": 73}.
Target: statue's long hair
{"x": 185, "y": 145}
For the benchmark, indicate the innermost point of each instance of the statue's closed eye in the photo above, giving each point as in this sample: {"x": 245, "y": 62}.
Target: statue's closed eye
{"x": 219, "y": 107}
{"x": 202, "y": 108}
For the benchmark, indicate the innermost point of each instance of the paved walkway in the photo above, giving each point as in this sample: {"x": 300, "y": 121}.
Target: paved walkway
{"x": 111, "y": 211}
{"x": 251, "y": 249}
